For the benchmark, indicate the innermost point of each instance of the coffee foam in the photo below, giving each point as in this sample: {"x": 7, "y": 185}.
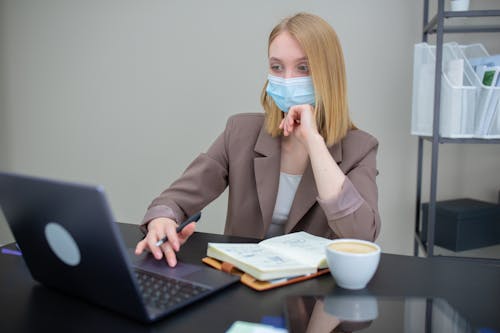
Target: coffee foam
{"x": 352, "y": 247}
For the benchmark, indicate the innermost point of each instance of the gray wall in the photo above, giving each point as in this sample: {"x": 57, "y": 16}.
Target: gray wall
{"x": 5, "y": 234}
{"x": 127, "y": 93}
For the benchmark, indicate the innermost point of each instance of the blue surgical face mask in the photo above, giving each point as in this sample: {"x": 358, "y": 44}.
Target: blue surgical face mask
{"x": 290, "y": 92}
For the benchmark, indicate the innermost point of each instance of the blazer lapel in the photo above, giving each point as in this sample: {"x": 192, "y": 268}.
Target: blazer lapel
{"x": 267, "y": 168}
{"x": 307, "y": 192}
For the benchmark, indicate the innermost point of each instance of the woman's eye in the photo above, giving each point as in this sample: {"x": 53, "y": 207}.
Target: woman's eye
{"x": 276, "y": 67}
{"x": 303, "y": 68}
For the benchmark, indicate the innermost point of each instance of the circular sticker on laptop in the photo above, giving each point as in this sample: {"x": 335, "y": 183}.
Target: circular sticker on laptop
{"x": 62, "y": 244}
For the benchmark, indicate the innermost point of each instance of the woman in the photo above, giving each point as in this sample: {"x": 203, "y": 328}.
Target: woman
{"x": 302, "y": 165}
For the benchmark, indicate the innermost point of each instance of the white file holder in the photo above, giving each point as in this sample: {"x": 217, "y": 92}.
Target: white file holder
{"x": 487, "y": 108}
{"x": 458, "y": 94}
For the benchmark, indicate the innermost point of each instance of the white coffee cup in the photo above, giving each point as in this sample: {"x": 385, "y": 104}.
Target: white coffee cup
{"x": 353, "y": 308}
{"x": 352, "y": 262}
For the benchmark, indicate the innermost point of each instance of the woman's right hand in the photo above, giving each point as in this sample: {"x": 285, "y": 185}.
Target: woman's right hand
{"x": 157, "y": 230}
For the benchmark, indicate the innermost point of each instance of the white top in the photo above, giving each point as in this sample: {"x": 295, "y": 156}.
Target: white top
{"x": 286, "y": 193}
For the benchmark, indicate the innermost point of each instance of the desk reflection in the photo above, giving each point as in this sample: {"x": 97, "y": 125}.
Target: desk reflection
{"x": 321, "y": 314}
{"x": 346, "y": 312}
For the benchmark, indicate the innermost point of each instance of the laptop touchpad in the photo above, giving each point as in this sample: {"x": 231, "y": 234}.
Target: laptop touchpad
{"x": 148, "y": 263}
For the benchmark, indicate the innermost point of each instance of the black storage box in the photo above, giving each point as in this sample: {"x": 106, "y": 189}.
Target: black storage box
{"x": 463, "y": 224}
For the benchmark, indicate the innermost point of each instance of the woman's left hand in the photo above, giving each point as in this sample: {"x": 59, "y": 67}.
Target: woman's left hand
{"x": 301, "y": 121}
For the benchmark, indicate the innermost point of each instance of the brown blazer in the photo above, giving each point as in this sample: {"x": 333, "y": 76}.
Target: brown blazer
{"x": 247, "y": 159}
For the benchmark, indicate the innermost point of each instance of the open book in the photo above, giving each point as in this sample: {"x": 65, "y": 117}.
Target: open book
{"x": 286, "y": 256}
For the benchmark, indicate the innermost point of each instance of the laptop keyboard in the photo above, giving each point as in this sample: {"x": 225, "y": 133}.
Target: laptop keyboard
{"x": 162, "y": 292}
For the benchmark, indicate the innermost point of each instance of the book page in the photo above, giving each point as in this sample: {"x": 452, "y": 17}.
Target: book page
{"x": 255, "y": 255}
{"x": 300, "y": 246}
{"x": 257, "y": 260}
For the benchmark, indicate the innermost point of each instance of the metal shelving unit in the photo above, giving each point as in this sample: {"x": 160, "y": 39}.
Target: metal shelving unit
{"x": 438, "y": 25}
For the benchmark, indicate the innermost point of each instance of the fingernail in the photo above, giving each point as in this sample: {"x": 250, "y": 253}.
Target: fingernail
{"x": 172, "y": 263}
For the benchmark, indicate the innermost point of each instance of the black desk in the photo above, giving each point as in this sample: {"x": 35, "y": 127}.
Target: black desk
{"x": 472, "y": 288}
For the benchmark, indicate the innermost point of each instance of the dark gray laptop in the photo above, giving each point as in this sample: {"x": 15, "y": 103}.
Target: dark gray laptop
{"x": 70, "y": 242}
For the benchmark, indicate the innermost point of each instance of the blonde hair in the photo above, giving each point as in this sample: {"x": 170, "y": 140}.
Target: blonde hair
{"x": 327, "y": 69}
